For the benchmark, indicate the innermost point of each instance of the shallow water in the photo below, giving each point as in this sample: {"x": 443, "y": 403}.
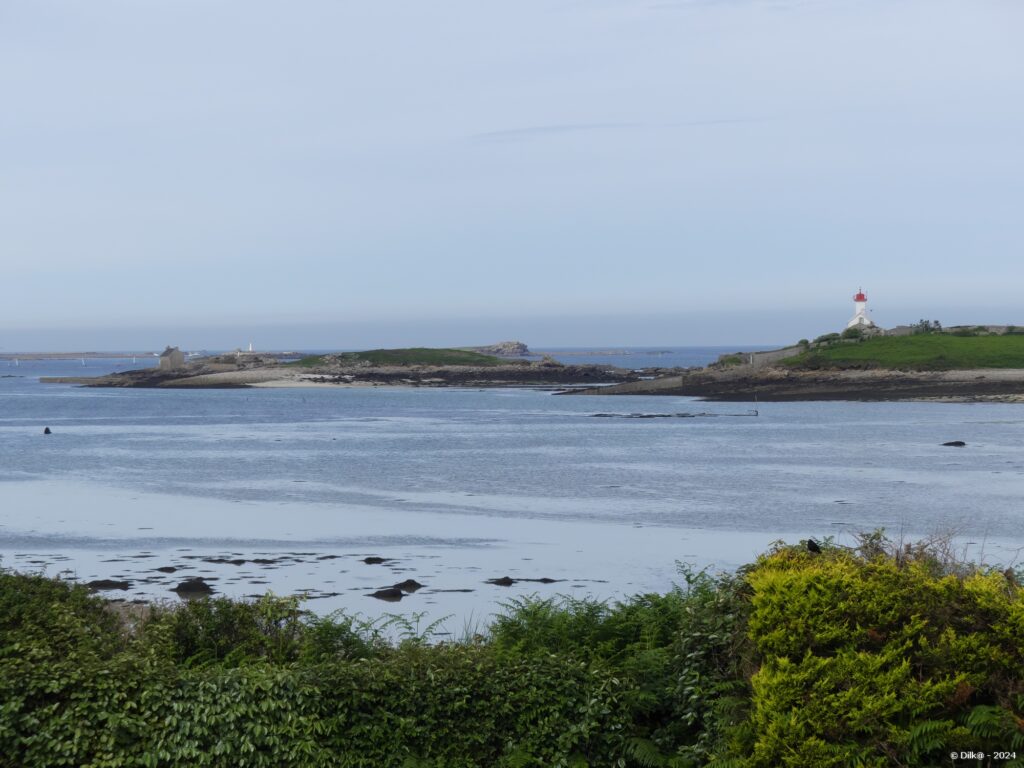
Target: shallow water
{"x": 459, "y": 486}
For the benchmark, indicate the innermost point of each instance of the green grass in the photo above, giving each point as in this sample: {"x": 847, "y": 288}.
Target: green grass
{"x": 920, "y": 352}
{"x": 412, "y": 356}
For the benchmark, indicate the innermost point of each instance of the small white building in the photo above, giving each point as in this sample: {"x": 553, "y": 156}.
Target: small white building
{"x": 860, "y": 312}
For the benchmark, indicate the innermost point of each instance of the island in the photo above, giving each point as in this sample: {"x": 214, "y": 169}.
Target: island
{"x": 418, "y": 366}
{"x": 925, "y": 362}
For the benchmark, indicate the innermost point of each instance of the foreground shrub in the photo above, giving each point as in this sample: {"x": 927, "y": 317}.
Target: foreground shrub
{"x": 879, "y": 661}
{"x": 882, "y": 655}
{"x": 219, "y": 683}
{"x": 684, "y": 653}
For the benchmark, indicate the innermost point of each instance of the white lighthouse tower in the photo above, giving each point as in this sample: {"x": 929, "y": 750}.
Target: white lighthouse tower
{"x": 860, "y": 312}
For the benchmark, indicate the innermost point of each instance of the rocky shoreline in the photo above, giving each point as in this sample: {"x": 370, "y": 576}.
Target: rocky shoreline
{"x": 260, "y": 372}
{"x": 728, "y": 383}
{"x": 780, "y": 385}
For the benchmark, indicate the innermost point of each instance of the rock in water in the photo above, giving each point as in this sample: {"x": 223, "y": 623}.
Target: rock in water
{"x": 102, "y": 584}
{"x": 47, "y": 431}
{"x": 409, "y": 585}
{"x": 391, "y": 594}
{"x": 194, "y": 586}
{"x": 955, "y": 444}
{"x": 374, "y": 560}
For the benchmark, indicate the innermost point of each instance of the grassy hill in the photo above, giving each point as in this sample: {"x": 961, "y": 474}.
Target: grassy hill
{"x": 411, "y": 356}
{"x": 937, "y": 352}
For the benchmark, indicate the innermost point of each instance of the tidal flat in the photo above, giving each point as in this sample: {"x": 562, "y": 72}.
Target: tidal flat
{"x": 456, "y": 489}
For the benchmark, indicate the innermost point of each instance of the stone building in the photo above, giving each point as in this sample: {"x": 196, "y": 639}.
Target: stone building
{"x": 171, "y": 359}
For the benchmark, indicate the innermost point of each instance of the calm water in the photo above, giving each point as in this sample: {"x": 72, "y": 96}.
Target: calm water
{"x": 481, "y": 480}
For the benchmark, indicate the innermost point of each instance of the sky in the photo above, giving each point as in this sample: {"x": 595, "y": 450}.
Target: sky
{"x": 359, "y": 173}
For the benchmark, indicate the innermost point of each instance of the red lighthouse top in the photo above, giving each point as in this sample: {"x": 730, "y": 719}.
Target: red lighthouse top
{"x": 860, "y": 296}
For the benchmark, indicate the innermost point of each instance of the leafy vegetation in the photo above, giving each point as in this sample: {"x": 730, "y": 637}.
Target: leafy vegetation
{"x": 878, "y": 655}
{"x": 932, "y": 351}
{"x": 926, "y": 326}
{"x": 827, "y": 338}
{"x": 728, "y": 361}
{"x": 412, "y": 356}
{"x": 877, "y": 658}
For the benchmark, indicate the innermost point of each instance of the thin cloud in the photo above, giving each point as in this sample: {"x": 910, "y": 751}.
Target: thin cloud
{"x": 536, "y": 131}
{"x": 542, "y": 131}
{"x": 718, "y": 121}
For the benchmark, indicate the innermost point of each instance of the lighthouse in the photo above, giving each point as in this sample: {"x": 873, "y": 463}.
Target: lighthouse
{"x": 860, "y": 312}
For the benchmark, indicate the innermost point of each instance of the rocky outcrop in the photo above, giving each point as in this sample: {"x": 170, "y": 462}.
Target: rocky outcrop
{"x": 193, "y": 586}
{"x": 780, "y": 384}
{"x": 504, "y": 349}
{"x": 337, "y": 369}
{"x": 409, "y": 585}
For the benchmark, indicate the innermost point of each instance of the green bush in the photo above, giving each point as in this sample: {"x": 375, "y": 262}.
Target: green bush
{"x": 730, "y": 360}
{"x": 875, "y": 656}
{"x": 878, "y": 661}
{"x": 223, "y": 683}
{"x": 683, "y": 652}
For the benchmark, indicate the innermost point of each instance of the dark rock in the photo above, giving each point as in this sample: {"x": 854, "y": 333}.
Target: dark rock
{"x": 167, "y": 569}
{"x": 47, "y": 431}
{"x": 812, "y": 546}
{"x": 409, "y": 585}
{"x": 955, "y": 444}
{"x": 101, "y": 584}
{"x": 391, "y": 594}
{"x": 504, "y": 581}
{"x": 374, "y": 560}
{"x": 193, "y": 586}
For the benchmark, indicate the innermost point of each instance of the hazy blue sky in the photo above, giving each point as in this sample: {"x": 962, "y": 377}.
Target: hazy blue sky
{"x": 340, "y": 173}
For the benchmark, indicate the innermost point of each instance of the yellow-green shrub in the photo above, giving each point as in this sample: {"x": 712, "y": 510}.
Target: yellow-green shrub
{"x": 880, "y": 661}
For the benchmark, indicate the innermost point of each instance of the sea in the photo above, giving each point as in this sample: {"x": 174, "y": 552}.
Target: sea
{"x": 293, "y": 490}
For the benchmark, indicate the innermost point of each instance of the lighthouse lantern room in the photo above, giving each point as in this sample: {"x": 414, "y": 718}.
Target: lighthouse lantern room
{"x": 860, "y": 312}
